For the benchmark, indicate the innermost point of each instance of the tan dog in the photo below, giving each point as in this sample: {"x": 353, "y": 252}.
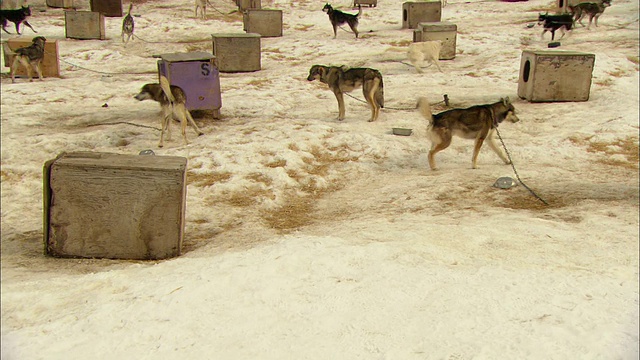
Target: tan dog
{"x": 418, "y": 52}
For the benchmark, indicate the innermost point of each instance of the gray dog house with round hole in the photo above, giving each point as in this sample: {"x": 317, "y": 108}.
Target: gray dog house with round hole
{"x": 555, "y": 75}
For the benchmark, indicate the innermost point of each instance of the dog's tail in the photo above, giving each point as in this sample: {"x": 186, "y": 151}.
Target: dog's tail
{"x": 425, "y": 109}
{"x": 166, "y": 88}
{"x": 359, "y": 11}
{"x": 380, "y": 92}
{"x": 7, "y": 50}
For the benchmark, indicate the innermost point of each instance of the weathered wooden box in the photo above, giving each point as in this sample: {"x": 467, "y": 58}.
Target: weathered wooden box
{"x": 101, "y": 205}
{"x": 555, "y": 75}
{"x": 444, "y": 31}
{"x": 562, "y": 6}
{"x": 369, "y": 3}
{"x": 11, "y": 4}
{"x": 237, "y": 52}
{"x": 267, "y": 23}
{"x": 197, "y": 74}
{"x": 109, "y": 8}
{"x": 248, "y": 4}
{"x": 60, "y": 3}
{"x": 84, "y": 25}
{"x": 50, "y": 64}
{"x": 421, "y": 11}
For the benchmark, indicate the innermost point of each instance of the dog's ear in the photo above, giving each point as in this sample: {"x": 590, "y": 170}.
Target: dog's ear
{"x": 506, "y": 101}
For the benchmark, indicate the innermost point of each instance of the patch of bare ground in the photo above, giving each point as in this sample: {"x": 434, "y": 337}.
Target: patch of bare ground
{"x": 621, "y": 148}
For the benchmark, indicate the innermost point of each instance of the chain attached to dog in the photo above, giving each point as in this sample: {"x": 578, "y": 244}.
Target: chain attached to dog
{"x": 516, "y": 171}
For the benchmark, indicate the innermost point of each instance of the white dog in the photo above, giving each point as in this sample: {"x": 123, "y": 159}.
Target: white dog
{"x": 426, "y": 50}
{"x": 202, "y": 4}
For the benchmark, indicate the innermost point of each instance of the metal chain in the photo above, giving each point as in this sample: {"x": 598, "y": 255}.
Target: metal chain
{"x": 516, "y": 171}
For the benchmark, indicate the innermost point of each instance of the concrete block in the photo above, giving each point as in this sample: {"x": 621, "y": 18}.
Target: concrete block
{"x": 444, "y": 31}
{"x": 84, "y": 25}
{"x": 267, "y": 23}
{"x": 237, "y": 52}
{"x": 101, "y": 205}
{"x": 369, "y": 3}
{"x": 50, "y": 64}
{"x": 555, "y": 75}
{"x": 421, "y": 11}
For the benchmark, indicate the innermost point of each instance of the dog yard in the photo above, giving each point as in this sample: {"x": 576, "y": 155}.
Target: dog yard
{"x": 309, "y": 237}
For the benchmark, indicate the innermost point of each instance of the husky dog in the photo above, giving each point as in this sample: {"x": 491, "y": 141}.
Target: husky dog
{"x": 344, "y": 79}
{"x": 202, "y": 4}
{"x": 564, "y": 22}
{"x": 427, "y": 50}
{"x": 173, "y": 101}
{"x": 127, "y": 26}
{"x": 593, "y": 9}
{"x": 339, "y": 18}
{"x": 29, "y": 57}
{"x": 16, "y": 16}
{"x": 477, "y": 122}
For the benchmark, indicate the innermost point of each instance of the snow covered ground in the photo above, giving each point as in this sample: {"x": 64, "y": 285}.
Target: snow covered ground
{"x": 310, "y": 238}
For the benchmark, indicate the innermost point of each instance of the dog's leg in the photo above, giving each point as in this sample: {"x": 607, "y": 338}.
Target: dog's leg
{"x": 164, "y": 125}
{"x": 29, "y": 25}
{"x": 14, "y": 67}
{"x": 354, "y": 28}
{"x": 335, "y": 30}
{"x": 37, "y": 66}
{"x": 340, "y": 99}
{"x": 195, "y": 126}
{"x": 179, "y": 112}
{"x": 436, "y": 60}
{"x": 416, "y": 58}
{"x": 370, "y": 95}
{"x": 440, "y": 140}
{"x": 476, "y": 151}
{"x": 25, "y": 63}
{"x": 493, "y": 144}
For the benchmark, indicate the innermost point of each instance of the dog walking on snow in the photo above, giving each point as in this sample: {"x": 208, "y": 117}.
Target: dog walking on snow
{"x": 339, "y": 18}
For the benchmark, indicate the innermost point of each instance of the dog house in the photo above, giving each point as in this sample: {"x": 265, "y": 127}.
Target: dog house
{"x": 237, "y": 52}
{"x": 267, "y": 23}
{"x": 563, "y": 5}
{"x": 84, "y": 25}
{"x": 60, "y": 3}
{"x": 248, "y": 4}
{"x": 444, "y": 31}
{"x": 369, "y": 3}
{"x": 109, "y": 8}
{"x": 422, "y": 11}
{"x": 197, "y": 74}
{"x": 555, "y": 75}
{"x": 50, "y": 65}
{"x": 102, "y": 205}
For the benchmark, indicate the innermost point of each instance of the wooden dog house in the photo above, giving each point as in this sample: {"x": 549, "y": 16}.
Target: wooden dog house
{"x": 84, "y": 25}
{"x": 421, "y": 11}
{"x": 101, "y": 205}
{"x": 248, "y": 4}
{"x": 267, "y": 23}
{"x": 50, "y": 65}
{"x": 555, "y": 75}
{"x": 237, "y": 52}
{"x": 444, "y": 31}
{"x": 61, "y": 3}
{"x": 369, "y": 3}
{"x": 109, "y": 8}
{"x": 197, "y": 74}
{"x": 562, "y": 6}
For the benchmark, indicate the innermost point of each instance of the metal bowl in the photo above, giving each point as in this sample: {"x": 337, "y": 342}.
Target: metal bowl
{"x": 402, "y": 131}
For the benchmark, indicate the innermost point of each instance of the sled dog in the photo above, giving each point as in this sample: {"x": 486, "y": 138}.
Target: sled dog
{"x": 127, "y": 26}
{"x": 173, "y": 101}
{"x": 18, "y": 16}
{"x": 202, "y": 4}
{"x": 342, "y": 79}
{"x": 477, "y": 122}
{"x": 593, "y": 9}
{"x": 29, "y": 57}
{"x": 563, "y": 22}
{"x": 427, "y": 50}
{"x": 339, "y": 18}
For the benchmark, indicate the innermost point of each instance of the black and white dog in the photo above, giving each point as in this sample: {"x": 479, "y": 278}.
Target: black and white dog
{"x": 563, "y": 22}
{"x": 339, "y": 18}
{"x": 17, "y": 17}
